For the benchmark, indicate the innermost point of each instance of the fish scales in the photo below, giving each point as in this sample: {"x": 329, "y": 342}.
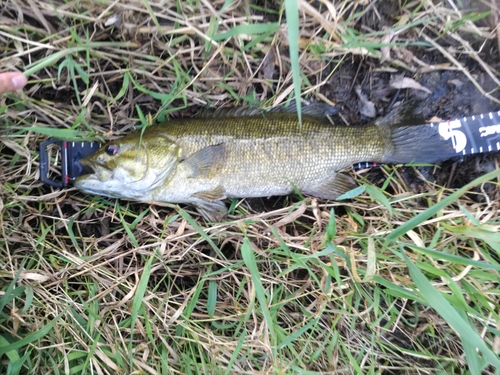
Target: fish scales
{"x": 267, "y": 156}
{"x": 202, "y": 161}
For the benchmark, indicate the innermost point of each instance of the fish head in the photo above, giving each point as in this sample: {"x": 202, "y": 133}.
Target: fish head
{"x": 129, "y": 168}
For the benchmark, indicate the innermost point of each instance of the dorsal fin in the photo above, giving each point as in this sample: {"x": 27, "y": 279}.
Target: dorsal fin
{"x": 318, "y": 110}
{"x": 311, "y": 108}
{"x": 408, "y": 113}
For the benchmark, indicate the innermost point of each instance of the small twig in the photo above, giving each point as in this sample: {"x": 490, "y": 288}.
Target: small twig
{"x": 475, "y": 56}
{"x": 460, "y": 67}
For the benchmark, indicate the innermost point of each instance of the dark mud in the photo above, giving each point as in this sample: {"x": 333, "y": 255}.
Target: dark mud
{"x": 452, "y": 95}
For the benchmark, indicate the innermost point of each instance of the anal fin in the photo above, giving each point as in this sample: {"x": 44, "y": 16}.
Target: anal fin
{"x": 333, "y": 187}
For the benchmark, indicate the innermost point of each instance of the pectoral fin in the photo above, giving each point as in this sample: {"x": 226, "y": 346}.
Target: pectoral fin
{"x": 205, "y": 162}
{"x": 333, "y": 188}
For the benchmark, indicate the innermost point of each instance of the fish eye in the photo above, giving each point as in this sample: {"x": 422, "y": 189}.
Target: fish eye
{"x": 112, "y": 150}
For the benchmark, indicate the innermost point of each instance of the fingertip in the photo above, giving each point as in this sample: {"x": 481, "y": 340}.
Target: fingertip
{"x": 19, "y": 81}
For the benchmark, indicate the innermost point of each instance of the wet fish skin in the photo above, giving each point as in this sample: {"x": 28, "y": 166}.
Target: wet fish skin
{"x": 202, "y": 161}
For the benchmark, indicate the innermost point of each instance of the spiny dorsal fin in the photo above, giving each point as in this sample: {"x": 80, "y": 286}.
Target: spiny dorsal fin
{"x": 310, "y": 108}
{"x": 318, "y": 110}
{"x": 230, "y": 112}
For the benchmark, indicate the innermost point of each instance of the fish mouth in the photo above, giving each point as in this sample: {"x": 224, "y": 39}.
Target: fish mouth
{"x": 88, "y": 170}
{"x": 85, "y": 168}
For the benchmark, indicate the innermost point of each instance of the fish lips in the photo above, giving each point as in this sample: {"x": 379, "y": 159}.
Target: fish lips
{"x": 84, "y": 167}
{"x": 96, "y": 179}
{"x": 91, "y": 171}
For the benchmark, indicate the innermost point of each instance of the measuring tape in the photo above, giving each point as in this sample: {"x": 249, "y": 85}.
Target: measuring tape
{"x": 472, "y": 135}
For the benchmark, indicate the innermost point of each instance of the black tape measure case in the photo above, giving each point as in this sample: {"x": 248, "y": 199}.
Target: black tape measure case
{"x": 69, "y": 153}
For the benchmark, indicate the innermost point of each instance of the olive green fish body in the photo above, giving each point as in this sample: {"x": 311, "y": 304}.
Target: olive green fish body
{"x": 256, "y": 156}
{"x": 205, "y": 160}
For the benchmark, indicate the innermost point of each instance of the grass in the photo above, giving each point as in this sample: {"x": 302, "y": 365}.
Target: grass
{"x": 395, "y": 280}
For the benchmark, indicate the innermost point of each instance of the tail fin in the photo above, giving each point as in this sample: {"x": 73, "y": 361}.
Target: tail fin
{"x": 419, "y": 144}
{"x": 415, "y": 141}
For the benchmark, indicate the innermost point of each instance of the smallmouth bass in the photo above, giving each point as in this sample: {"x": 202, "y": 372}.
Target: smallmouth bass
{"x": 202, "y": 161}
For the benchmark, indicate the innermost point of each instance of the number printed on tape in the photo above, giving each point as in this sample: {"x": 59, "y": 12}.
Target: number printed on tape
{"x": 449, "y": 130}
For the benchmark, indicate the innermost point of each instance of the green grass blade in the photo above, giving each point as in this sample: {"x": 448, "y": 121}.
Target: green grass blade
{"x": 127, "y": 227}
{"x": 138, "y": 300}
{"x": 236, "y": 352}
{"x": 249, "y": 259}
{"x": 13, "y": 355}
{"x": 212, "y": 298}
{"x": 55, "y": 57}
{"x": 486, "y": 233}
{"x": 440, "y": 255}
{"x": 353, "y": 193}
{"x": 379, "y": 196}
{"x": 354, "y": 364}
{"x": 37, "y": 335}
{"x": 331, "y": 227}
{"x": 417, "y": 220}
{"x": 200, "y": 230}
{"x": 66, "y": 134}
{"x": 260, "y": 28}
{"x": 296, "y": 334}
{"x": 292, "y": 19}
{"x": 439, "y": 303}
{"x": 11, "y": 292}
